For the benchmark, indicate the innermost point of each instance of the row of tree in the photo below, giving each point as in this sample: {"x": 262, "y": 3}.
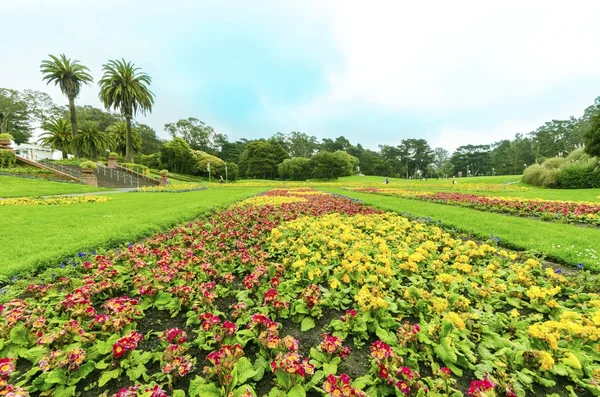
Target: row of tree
{"x": 124, "y": 89}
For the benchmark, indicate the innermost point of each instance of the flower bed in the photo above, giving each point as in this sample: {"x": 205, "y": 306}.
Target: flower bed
{"x": 564, "y": 211}
{"x": 32, "y": 201}
{"x": 323, "y": 296}
{"x": 189, "y": 187}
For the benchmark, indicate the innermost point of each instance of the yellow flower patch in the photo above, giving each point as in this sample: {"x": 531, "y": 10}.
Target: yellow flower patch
{"x": 28, "y": 201}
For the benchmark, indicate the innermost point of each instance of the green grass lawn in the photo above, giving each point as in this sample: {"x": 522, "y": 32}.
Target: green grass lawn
{"x": 33, "y": 237}
{"x": 432, "y": 181}
{"x": 16, "y": 187}
{"x": 564, "y": 243}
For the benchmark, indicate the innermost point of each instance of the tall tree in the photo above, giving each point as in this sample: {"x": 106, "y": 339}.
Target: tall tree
{"x": 118, "y": 133}
{"x": 199, "y": 135}
{"x": 151, "y": 143}
{"x": 471, "y": 159}
{"x": 125, "y": 87}
{"x": 58, "y": 135}
{"x": 592, "y": 136}
{"x": 69, "y": 75}
{"x": 90, "y": 115}
{"x": 14, "y": 117}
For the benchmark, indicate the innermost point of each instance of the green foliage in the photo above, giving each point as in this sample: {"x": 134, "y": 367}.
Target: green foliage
{"x": 150, "y": 160}
{"x": 233, "y": 171}
{"x": 217, "y": 166}
{"x": 113, "y": 155}
{"x": 91, "y": 143}
{"x": 88, "y": 164}
{"x": 350, "y": 161}
{"x": 69, "y": 75}
{"x": 295, "y": 169}
{"x": 151, "y": 143}
{"x": 118, "y": 133}
{"x": 576, "y": 171}
{"x": 261, "y": 158}
{"x": 592, "y": 136}
{"x": 7, "y": 158}
{"x": 125, "y": 87}
{"x": 177, "y": 156}
{"x": 25, "y": 171}
{"x": 326, "y": 165}
{"x": 197, "y": 134}
{"x": 6, "y": 137}
{"x": 578, "y": 176}
{"x": 87, "y": 114}
{"x": 57, "y": 134}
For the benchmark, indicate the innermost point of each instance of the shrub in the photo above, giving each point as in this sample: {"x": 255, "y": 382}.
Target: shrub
{"x": 150, "y": 160}
{"x": 113, "y": 155}
{"x": 24, "y": 170}
{"x": 7, "y": 158}
{"x": 88, "y": 164}
{"x": 579, "y": 176}
{"x": 538, "y": 175}
{"x": 6, "y": 137}
{"x": 554, "y": 162}
{"x": 164, "y": 172}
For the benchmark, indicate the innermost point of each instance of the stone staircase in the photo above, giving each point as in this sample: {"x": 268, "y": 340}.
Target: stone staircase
{"x": 107, "y": 177}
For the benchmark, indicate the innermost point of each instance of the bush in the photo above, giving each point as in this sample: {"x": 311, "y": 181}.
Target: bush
{"x": 25, "y": 170}
{"x": 295, "y": 169}
{"x": 113, "y": 155}
{"x": 7, "y": 158}
{"x": 88, "y": 165}
{"x": 579, "y": 176}
{"x": 554, "y": 162}
{"x": 164, "y": 172}
{"x": 233, "y": 171}
{"x": 150, "y": 160}
{"x": 538, "y": 175}
{"x": 6, "y": 137}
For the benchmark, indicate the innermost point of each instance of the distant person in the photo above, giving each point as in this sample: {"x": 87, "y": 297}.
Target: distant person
{"x": 221, "y": 179}
{"x": 166, "y": 181}
{"x": 454, "y": 181}
{"x": 387, "y": 181}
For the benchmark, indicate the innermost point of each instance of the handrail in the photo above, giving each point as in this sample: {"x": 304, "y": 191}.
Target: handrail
{"x": 138, "y": 174}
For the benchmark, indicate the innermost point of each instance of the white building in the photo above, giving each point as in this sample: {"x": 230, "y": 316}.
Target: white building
{"x": 37, "y": 152}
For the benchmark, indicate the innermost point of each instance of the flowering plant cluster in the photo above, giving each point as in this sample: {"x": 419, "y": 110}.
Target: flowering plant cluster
{"x": 563, "y": 211}
{"x": 297, "y": 292}
{"x": 184, "y": 187}
{"x": 32, "y": 201}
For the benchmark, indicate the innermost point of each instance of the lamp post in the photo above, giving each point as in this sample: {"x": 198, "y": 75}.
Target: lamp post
{"x": 107, "y": 154}
{"x": 493, "y": 171}
{"x": 208, "y": 169}
{"x": 225, "y": 172}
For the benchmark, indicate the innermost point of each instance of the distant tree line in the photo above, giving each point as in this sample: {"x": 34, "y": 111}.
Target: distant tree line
{"x": 194, "y": 144}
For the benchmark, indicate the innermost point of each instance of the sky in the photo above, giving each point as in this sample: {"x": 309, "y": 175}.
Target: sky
{"x": 373, "y": 71}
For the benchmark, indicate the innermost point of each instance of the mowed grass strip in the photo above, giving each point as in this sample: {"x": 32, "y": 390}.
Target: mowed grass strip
{"x": 35, "y": 237}
{"x": 26, "y": 187}
{"x": 568, "y": 244}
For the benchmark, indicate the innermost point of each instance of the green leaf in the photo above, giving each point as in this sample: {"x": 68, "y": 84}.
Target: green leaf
{"x": 101, "y": 365}
{"x": 19, "y": 336}
{"x": 199, "y": 388}
{"x": 136, "y": 372}
{"x": 178, "y": 393}
{"x": 514, "y": 302}
{"x": 162, "y": 299}
{"x": 242, "y": 389}
{"x": 108, "y": 375}
{"x": 105, "y": 347}
{"x": 297, "y": 391}
{"x": 317, "y": 355}
{"x": 34, "y": 354}
{"x": 57, "y": 377}
{"x": 62, "y": 391}
{"x": 329, "y": 368}
{"x": 244, "y": 370}
{"x": 445, "y": 352}
{"x": 260, "y": 365}
{"x": 386, "y": 336}
{"x": 307, "y": 324}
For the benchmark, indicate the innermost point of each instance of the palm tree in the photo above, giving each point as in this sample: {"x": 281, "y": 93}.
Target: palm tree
{"x": 125, "y": 87}
{"x": 58, "y": 135}
{"x": 118, "y": 132}
{"x": 92, "y": 142}
{"x": 69, "y": 75}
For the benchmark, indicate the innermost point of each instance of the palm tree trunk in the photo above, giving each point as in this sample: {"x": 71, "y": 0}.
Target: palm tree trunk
{"x": 129, "y": 143}
{"x": 65, "y": 156}
{"x": 73, "y": 123}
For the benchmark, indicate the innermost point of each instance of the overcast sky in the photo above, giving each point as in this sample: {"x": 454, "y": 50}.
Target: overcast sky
{"x": 452, "y": 72}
